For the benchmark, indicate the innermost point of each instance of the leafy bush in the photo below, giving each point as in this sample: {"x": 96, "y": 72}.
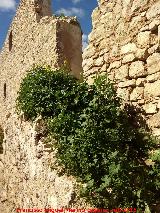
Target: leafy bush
{"x": 95, "y": 140}
{"x": 43, "y": 92}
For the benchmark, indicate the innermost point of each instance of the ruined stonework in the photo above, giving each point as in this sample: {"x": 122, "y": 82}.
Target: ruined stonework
{"x": 35, "y": 37}
{"x": 125, "y": 44}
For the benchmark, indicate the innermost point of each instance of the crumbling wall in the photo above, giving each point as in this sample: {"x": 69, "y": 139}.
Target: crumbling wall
{"x": 35, "y": 37}
{"x": 29, "y": 176}
{"x": 30, "y": 42}
{"x": 125, "y": 44}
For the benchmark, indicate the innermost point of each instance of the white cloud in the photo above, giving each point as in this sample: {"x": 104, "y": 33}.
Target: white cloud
{"x": 6, "y": 5}
{"x": 76, "y": 1}
{"x": 73, "y": 11}
{"x": 84, "y": 41}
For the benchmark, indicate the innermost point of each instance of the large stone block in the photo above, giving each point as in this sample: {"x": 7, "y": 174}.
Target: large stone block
{"x": 115, "y": 64}
{"x": 152, "y": 89}
{"x": 154, "y": 77}
{"x": 137, "y": 69}
{"x": 123, "y": 93}
{"x": 88, "y": 64}
{"x": 129, "y": 48}
{"x": 89, "y": 51}
{"x": 154, "y": 121}
{"x": 128, "y": 58}
{"x": 141, "y": 54}
{"x": 150, "y": 108}
{"x": 99, "y": 61}
{"x": 153, "y": 63}
{"x": 122, "y": 73}
{"x": 137, "y": 94}
{"x": 143, "y": 38}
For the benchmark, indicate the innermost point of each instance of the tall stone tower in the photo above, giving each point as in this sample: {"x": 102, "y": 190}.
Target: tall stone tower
{"x": 36, "y": 37}
{"x": 36, "y": 8}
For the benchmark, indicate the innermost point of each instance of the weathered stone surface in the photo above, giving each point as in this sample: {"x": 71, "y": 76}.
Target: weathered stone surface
{"x": 152, "y": 89}
{"x": 122, "y": 73}
{"x": 153, "y": 77}
{"x": 104, "y": 68}
{"x": 128, "y": 83}
{"x": 153, "y": 11}
{"x": 99, "y": 61}
{"x": 114, "y": 51}
{"x": 123, "y": 93}
{"x": 106, "y": 57}
{"x": 92, "y": 70}
{"x": 137, "y": 4}
{"x": 135, "y": 21}
{"x": 89, "y": 52}
{"x": 141, "y": 54}
{"x": 158, "y": 105}
{"x": 111, "y": 75}
{"x": 115, "y": 64}
{"x": 143, "y": 38}
{"x": 154, "y": 24}
{"x": 141, "y": 102}
{"x": 137, "y": 69}
{"x": 154, "y": 121}
{"x": 88, "y": 64}
{"x": 144, "y": 28}
{"x": 150, "y": 108}
{"x": 156, "y": 132}
{"x": 153, "y": 49}
{"x": 153, "y": 63}
{"x": 137, "y": 94}
{"x": 96, "y": 14}
{"x": 129, "y": 48}
{"x": 140, "y": 82}
{"x": 128, "y": 58}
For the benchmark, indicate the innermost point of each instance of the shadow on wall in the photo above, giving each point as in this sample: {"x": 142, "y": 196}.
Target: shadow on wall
{"x": 136, "y": 118}
{"x": 1, "y": 139}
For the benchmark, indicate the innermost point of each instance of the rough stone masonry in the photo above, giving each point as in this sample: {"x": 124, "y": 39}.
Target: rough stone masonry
{"x": 124, "y": 44}
{"x": 35, "y": 37}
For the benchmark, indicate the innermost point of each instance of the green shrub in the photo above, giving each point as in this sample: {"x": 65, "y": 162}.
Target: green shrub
{"x": 95, "y": 140}
{"x": 43, "y": 91}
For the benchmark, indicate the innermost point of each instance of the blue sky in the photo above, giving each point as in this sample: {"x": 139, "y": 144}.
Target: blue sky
{"x": 80, "y": 8}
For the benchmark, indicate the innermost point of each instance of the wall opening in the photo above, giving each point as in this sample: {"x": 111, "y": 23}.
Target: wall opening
{"x": 1, "y": 139}
{"x": 5, "y": 92}
{"x": 38, "y": 9}
{"x": 10, "y": 41}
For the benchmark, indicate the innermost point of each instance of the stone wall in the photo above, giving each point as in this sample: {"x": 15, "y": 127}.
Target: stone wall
{"x": 125, "y": 44}
{"x": 35, "y": 37}
{"x": 29, "y": 176}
